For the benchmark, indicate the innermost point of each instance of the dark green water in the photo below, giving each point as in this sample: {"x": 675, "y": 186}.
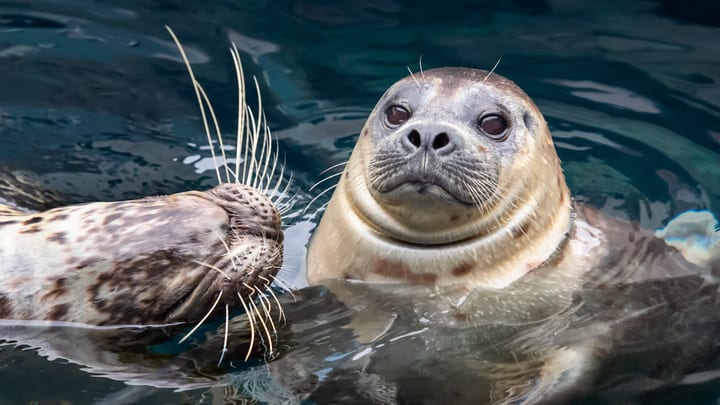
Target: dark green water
{"x": 94, "y": 102}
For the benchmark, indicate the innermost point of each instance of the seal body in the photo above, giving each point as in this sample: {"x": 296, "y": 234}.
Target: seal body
{"x": 149, "y": 261}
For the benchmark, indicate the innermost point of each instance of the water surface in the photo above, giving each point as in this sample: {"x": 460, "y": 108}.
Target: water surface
{"x": 96, "y": 104}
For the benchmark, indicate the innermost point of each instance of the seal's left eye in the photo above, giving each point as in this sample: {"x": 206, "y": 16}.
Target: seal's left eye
{"x": 396, "y": 115}
{"x": 495, "y": 126}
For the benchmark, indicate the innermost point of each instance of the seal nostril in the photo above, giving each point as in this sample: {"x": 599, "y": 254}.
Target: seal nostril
{"x": 440, "y": 141}
{"x": 414, "y": 138}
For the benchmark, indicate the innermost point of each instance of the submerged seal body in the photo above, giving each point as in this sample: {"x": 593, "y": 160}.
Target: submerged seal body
{"x": 156, "y": 260}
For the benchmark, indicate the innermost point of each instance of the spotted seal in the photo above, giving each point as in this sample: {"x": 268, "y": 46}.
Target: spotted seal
{"x": 156, "y": 260}
{"x": 144, "y": 261}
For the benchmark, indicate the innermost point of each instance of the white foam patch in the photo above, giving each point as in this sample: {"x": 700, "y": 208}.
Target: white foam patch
{"x": 586, "y": 238}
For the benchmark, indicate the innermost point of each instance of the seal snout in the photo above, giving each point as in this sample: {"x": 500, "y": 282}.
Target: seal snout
{"x": 435, "y": 139}
{"x": 249, "y": 210}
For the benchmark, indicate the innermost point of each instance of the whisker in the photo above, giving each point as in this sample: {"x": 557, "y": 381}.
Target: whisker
{"x": 267, "y": 141}
{"x": 414, "y": 78}
{"x": 422, "y": 73}
{"x": 318, "y": 196}
{"x": 227, "y": 249}
{"x": 271, "y": 174}
{"x": 281, "y": 312}
{"x": 263, "y": 301}
{"x": 250, "y": 180}
{"x": 264, "y": 325}
{"x": 217, "y": 130}
{"x": 332, "y": 167}
{"x": 251, "y": 321}
{"x": 240, "y": 78}
{"x": 204, "y": 318}
{"x": 287, "y": 185}
{"x": 276, "y": 189}
{"x": 227, "y": 332}
{"x": 493, "y": 69}
{"x": 324, "y": 180}
{"x": 199, "y": 99}
{"x": 210, "y": 266}
{"x": 283, "y": 284}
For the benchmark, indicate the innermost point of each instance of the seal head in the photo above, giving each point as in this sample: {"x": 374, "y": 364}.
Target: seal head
{"x": 454, "y": 178}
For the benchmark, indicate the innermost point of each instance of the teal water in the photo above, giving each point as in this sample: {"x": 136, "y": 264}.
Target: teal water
{"x": 95, "y": 103}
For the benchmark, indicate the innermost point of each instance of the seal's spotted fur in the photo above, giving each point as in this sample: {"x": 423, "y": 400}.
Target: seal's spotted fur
{"x": 139, "y": 262}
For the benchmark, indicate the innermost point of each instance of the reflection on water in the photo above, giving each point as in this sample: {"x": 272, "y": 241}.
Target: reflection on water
{"x": 96, "y": 106}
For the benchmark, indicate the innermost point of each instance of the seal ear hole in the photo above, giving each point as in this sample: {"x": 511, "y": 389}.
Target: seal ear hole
{"x": 528, "y": 120}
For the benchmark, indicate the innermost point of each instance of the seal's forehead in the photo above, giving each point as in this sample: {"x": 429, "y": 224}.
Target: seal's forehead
{"x": 451, "y": 79}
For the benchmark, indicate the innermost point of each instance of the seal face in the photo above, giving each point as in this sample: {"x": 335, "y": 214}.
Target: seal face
{"x": 454, "y": 179}
{"x": 150, "y": 261}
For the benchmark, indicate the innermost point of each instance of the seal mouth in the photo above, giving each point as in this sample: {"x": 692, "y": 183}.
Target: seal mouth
{"x": 191, "y": 305}
{"x": 429, "y": 184}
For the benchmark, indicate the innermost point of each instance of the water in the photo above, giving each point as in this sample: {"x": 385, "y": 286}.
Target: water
{"x": 95, "y": 104}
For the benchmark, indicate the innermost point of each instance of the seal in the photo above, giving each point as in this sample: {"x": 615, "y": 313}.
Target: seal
{"x": 454, "y": 179}
{"x": 147, "y": 261}
{"x": 157, "y": 260}
{"x": 454, "y": 212}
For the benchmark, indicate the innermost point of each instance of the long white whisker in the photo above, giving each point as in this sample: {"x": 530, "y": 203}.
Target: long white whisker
{"x": 217, "y": 130}
{"x": 318, "y": 196}
{"x": 210, "y": 266}
{"x": 258, "y": 130}
{"x": 324, "y": 180}
{"x": 251, "y": 152}
{"x": 332, "y": 167}
{"x": 414, "y": 78}
{"x": 227, "y": 332}
{"x": 204, "y": 318}
{"x": 240, "y": 78}
{"x": 199, "y": 99}
{"x": 267, "y": 153}
{"x": 283, "y": 284}
{"x": 493, "y": 69}
{"x": 264, "y": 325}
{"x": 271, "y": 174}
{"x": 251, "y": 321}
{"x": 281, "y": 312}
{"x": 287, "y": 185}
{"x": 266, "y": 307}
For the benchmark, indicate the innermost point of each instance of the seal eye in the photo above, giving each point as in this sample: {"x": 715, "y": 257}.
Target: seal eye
{"x": 494, "y": 126}
{"x": 396, "y": 115}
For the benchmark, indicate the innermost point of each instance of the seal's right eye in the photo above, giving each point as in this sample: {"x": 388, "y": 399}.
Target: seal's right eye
{"x": 494, "y": 126}
{"x": 396, "y": 115}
